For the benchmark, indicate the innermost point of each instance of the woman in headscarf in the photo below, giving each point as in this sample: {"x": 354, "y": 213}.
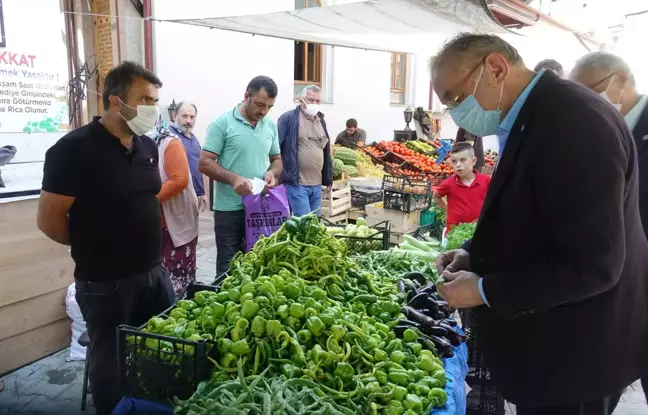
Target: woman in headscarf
{"x": 179, "y": 206}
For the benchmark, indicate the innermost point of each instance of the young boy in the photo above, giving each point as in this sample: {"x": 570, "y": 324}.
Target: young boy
{"x": 465, "y": 189}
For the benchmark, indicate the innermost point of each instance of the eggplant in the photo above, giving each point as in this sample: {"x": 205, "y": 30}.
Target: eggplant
{"x": 450, "y": 322}
{"x": 434, "y": 331}
{"x": 442, "y": 345}
{"x": 417, "y": 316}
{"x": 407, "y": 287}
{"x": 454, "y": 337}
{"x": 428, "y": 289}
{"x": 415, "y": 276}
{"x": 423, "y": 300}
{"x": 405, "y": 322}
{"x": 401, "y": 286}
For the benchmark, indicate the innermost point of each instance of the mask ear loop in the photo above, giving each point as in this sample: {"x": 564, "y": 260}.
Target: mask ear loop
{"x": 481, "y": 72}
{"x": 500, "y": 98}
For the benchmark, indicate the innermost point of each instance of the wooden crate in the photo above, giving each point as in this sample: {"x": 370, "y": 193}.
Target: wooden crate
{"x": 356, "y": 213}
{"x": 336, "y": 200}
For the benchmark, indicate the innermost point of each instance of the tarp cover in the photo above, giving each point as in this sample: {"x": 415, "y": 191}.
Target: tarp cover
{"x": 384, "y": 25}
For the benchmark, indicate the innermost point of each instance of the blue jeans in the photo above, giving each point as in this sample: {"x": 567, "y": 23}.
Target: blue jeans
{"x": 304, "y": 199}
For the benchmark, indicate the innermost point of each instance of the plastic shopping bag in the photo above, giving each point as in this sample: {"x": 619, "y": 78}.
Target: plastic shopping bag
{"x": 264, "y": 214}
{"x": 77, "y": 352}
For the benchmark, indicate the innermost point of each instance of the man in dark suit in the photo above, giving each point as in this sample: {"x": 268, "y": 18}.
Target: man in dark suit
{"x": 557, "y": 270}
{"x": 609, "y": 76}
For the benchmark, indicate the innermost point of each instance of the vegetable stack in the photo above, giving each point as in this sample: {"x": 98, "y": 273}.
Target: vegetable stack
{"x": 297, "y": 311}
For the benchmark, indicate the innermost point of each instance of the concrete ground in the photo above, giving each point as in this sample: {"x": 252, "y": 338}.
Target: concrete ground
{"x": 53, "y": 385}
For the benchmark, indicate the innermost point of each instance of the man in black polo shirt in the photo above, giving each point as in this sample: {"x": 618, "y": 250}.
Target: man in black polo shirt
{"x": 99, "y": 196}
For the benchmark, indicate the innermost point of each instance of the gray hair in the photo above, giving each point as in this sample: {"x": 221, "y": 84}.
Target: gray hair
{"x": 474, "y": 46}
{"x": 181, "y": 103}
{"x": 602, "y": 61}
{"x": 313, "y": 88}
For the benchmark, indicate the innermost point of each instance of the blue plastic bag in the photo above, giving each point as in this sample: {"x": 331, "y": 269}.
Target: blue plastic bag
{"x": 456, "y": 369}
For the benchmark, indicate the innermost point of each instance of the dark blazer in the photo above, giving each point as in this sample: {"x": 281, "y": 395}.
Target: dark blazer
{"x": 562, "y": 253}
{"x": 640, "y": 133}
{"x": 288, "y": 127}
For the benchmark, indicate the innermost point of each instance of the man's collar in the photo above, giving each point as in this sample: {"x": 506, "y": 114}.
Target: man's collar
{"x": 504, "y": 128}
{"x": 179, "y": 132}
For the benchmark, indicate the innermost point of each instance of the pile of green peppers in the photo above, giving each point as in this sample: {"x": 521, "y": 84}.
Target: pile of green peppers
{"x": 295, "y": 308}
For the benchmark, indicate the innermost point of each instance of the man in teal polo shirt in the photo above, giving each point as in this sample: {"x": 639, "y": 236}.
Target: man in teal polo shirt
{"x": 240, "y": 145}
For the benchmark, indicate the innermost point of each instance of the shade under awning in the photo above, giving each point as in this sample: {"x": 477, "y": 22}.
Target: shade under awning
{"x": 383, "y": 25}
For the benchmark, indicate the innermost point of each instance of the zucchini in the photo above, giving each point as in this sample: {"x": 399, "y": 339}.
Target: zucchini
{"x": 416, "y": 243}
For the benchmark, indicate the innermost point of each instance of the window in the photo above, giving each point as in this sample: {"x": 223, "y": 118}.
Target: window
{"x": 308, "y": 56}
{"x": 398, "y": 78}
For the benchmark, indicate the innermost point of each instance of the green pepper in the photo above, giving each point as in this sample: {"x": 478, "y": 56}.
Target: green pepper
{"x": 399, "y": 377}
{"x": 319, "y": 294}
{"x": 273, "y": 327}
{"x": 297, "y": 310}
{"x": 410, "y": 335}
{"x": 290, "y": 371}
{"x": 202, "y": 297}
{"x": 241, "y": 347}
{"x": 249, "y": 309}
{"x": 426, "y": 363}
{"x": 393, "y": 408}
{"x": 207, "y": 336}
{"x": 382, "y": 327}
{"x": 278, "y": 300}
{"x": 440, "y": 375}
{"x": 245, "y": 297}
{"x": 292, "y": 322}
{"x": 437, "y": 397}
{"x": 234, "y": 294}
{"x": 413, "y": 402}
{"x": 371, "y": 343}
{"x": 196, "y": 312}
{"x": 423, "y": 389}
{"x": 247, "y": 288}
{"x": 344, "y": 371}
{"x": 432, "y": 382}
{"x": 207, "y": 320}
{"x": 224, "y": 345}
{"x": 394, "y": 345}
{"x": 292, "y": 291}
{"x": 228, "y": 360}
{"x": 278, "y": 282}
{"x": 222, "y": 297}
{"x": 258, "y": 326}
{"x": 178, "y": 313}
{"x": 267, "y": 286}
{"x": 415, "y": 348}
{"x": 338, "y": 331}
{"x": 304, "y": 336}
{"x": 327, "y": 317}
{"x": 417, "y": 374}
{"x": 380, "y": 376}
{"x": 220, "y": 331}
{"x": 315, "y": 325}
{"x": 379, "y": 355}
{"x": 283, "y": 311}
{"x": 390, "y": 307}
{"x": 218, "y": 310}
{"x": 186, "y": 305}
{"x": 292, "y": 227}
{"x": 399, "y": 392}
{"x": 233, "y": 314}
{"x": 240, "y": 329}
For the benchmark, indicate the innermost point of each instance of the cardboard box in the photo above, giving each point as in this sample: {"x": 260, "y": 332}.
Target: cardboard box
{"x": 401, "y": 222}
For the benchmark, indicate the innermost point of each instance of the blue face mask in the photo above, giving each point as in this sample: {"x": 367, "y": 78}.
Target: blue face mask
{"x": 470, "y": 116}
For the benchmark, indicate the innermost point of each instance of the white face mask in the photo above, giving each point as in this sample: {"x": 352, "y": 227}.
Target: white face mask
{"x": 144, "y": 121}
{"x": 606, "y": 97}
{"x": 311, "y": 109}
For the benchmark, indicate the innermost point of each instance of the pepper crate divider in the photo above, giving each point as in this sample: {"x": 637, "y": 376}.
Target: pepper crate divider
{"x": 158, "y": 367}
{"x": 336, "y": 200}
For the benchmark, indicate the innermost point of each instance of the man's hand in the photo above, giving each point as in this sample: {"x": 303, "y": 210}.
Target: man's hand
{"x": 270, "y": 180}
{"x": 453, "y": 261}
{"x": 242, "y": 186}
{"x": 203, "y": 202}
{"x": 461, "y": 289}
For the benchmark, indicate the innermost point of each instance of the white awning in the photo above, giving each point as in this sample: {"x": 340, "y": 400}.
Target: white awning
{"x": 413, "y": 26}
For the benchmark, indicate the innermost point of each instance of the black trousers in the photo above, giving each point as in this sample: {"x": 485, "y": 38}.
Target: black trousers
{"x": 230, "y": 233}
{"x": 603, "y": 406}
{"x": 107, "y": 304}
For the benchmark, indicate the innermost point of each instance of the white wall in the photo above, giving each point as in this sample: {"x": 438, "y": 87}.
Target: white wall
{"x": 215, "y": 77}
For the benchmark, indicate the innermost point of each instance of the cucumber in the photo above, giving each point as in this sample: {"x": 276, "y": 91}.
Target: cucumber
{"x": 416, "y": 243}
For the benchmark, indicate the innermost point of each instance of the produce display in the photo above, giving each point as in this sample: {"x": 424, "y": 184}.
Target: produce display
{"x": 300, "y": 327}
{"x": 424, "y": 163}
{"x": 459, "y": 234}
{"x": 354, "y": 163}
{"x": 421, "y": 147}
{"x": 366, "y": 167}
{"x": 359, "y": 237}
{"x": 346, "y": 155}
{"x": 400, "y": 261}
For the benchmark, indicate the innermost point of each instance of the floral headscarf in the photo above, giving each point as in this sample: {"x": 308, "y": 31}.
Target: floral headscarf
{"x": 160, "y": 131}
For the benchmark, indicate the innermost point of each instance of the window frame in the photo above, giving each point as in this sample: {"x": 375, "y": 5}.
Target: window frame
{"x": 319, "y": 51}
{"x": 394, "y": 88}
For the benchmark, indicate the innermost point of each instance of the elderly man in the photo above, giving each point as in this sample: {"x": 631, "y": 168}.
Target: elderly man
{"x": 609, "y": 76}
{"x": 185, "y": 120}
{"x": 306, "y": 153}
{"x": 556, "y": 270}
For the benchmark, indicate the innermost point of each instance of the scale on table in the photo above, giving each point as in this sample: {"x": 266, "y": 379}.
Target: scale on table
{"x": 406, "y": 134}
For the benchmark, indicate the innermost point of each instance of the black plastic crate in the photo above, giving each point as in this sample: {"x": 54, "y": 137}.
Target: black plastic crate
{"x": 405, "y": 202}
{"x": 483, "y": 399}
{"x": 427, "y": 232}
{"x": 418, "y": 185}
{"x": 361, "y": 245}
{"x": 159, "y": 367}
{"x": 437, "y": 178}
{"x": 362, "y": 199}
